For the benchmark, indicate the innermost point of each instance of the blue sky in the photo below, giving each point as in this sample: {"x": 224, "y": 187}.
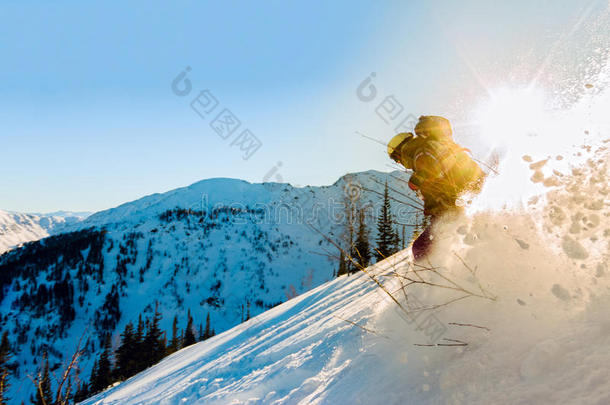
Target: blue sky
{"x": 88, "y": 119}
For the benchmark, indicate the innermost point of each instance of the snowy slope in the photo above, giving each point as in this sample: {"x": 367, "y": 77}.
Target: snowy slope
{"x": 221, "y": 247}
{"x": 510, "y": 308}
{"x": 304, "y": 351}
{"x": 17, "y": 228}
{"x": 290, "y": 353}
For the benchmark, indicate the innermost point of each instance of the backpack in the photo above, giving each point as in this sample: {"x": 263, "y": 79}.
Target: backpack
{"x": 444, "y": 169}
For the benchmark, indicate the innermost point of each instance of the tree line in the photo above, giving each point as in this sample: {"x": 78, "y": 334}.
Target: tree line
{"x": 141, "y": 346}
{"x": 357, "y": 235}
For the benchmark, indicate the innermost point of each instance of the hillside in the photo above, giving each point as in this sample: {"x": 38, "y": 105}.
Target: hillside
{"x": 294, "y": 352}
{"x": 221, "y": 247}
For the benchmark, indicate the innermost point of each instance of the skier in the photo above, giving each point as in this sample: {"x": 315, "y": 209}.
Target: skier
{"x": 442, "y": 171}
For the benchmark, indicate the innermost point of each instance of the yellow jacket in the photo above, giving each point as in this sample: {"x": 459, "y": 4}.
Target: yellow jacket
{"x": 442, "y": 171}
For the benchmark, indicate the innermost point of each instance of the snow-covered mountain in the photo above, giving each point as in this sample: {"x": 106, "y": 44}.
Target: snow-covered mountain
{"x": 221, "y": 247}
{"x": 18, "y": 228}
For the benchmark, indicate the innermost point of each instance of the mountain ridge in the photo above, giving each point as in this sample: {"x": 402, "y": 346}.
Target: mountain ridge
{"x": 17, "y": 228}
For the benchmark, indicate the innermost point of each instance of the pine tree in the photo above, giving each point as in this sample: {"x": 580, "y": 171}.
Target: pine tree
{"x": 200, "y": 336}
{"x": 363, "y": 250}
{"x": 189, "y": 336}
{"x": 174, "y": 344}
{"x": 164, "y": 344}
{"x": 139, "y": 353}
{"x": 386, "y": 238}
{"x": 81, "y": 393}
{"x": 208, "y": 331}
{"x": 103, "y": 375}
{"x": 342, "y": 265}
{"x": 126, "y": 363}
{"x": 396, "y": 241}
{"x": 43, "y": 385}
{"x": 154, "y": 347}
{"x": 93, "y": 378}
{"x": 5, "y": 358}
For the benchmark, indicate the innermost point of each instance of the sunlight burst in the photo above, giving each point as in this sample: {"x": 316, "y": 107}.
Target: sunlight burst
{"x": 511, "y": 117}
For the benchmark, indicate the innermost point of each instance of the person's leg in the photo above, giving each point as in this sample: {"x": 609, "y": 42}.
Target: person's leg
{"x": 422, "y": 245}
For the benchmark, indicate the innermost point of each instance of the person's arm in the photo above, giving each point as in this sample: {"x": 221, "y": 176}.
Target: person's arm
{"x": 426, "y": 168}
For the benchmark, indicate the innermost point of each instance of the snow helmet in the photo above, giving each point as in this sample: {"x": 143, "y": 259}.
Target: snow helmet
{"x": 396, "y": 144}
{"x": 433, "y": 126}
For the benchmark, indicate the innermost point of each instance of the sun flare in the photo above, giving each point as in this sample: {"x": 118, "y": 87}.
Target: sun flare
{"x": 515, "y": 123}
{"x": 511, "y": 117}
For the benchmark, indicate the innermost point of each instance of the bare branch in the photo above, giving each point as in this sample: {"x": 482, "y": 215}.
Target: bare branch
{"x": 469, "y": 324}
{"x": 453, "y": 343}
{"x": 410, "y": 198}
{"x": 59, "y": 397}
{"x": 417, "y": 208}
